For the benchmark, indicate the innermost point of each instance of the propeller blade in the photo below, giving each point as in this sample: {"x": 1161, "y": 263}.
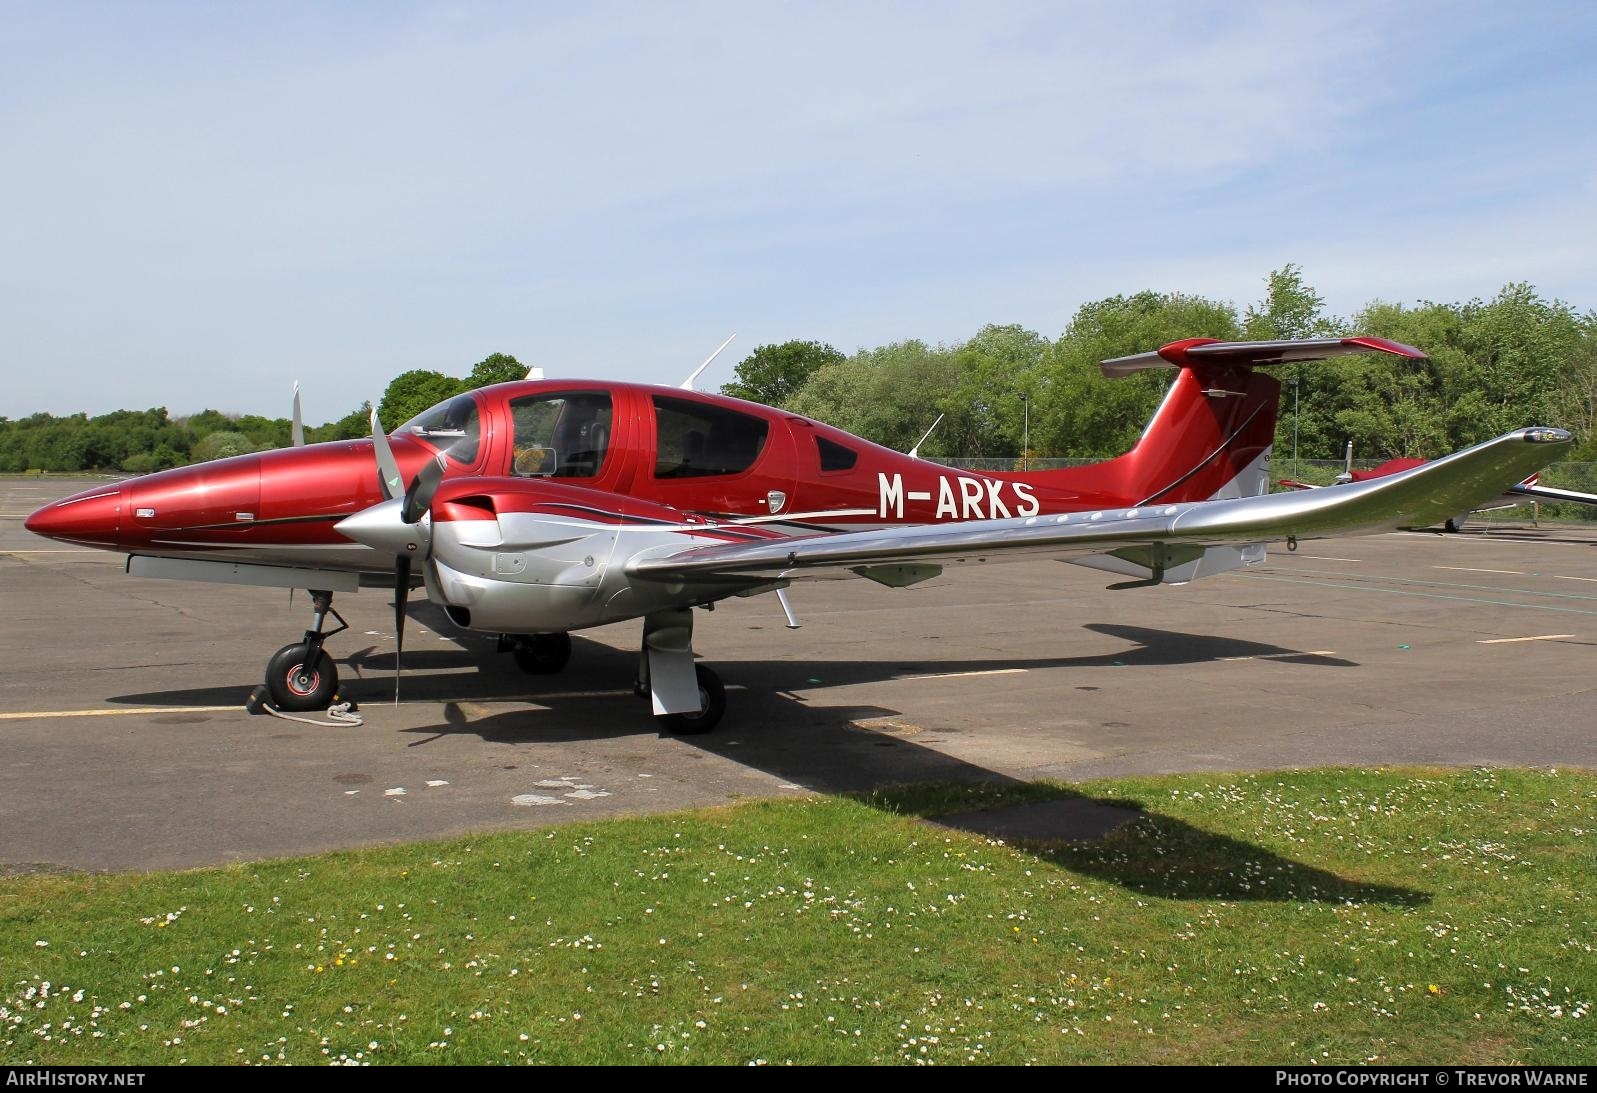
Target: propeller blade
{"x": 296, "y": 428}
{"x": 419, "y": 497}
{"x": 401, "y": 595}
{"x": 388, "y": 476}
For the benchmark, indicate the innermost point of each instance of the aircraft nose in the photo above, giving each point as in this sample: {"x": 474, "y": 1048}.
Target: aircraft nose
{"x": 93, "y": 517}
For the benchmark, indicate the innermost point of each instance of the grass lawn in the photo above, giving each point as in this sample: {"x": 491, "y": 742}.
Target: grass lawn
{"x": 1335, "y": 916}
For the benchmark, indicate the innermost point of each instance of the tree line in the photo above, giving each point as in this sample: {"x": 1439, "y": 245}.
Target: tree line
{"x": 140, "y": 441}
{"x": 1494, "y": 365}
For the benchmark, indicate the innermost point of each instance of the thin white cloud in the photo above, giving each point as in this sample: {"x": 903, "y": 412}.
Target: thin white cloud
{"x": 203, "y": 205}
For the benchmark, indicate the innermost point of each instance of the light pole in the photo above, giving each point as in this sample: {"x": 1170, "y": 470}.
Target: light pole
{"x": 1025, "y": 443}
{"x": 1295, "y": 428}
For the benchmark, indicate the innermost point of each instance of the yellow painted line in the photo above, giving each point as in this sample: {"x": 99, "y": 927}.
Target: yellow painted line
{"x": 132, "y": 711}
{"x": 1538, "y": 637}
{"x": 1467, "y": 569}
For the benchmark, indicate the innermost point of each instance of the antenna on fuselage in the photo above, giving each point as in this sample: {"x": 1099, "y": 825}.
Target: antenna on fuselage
{"x": 687, "y": 384}
{"x": 1347, "y": 467}
{"x": 914, "y": 453}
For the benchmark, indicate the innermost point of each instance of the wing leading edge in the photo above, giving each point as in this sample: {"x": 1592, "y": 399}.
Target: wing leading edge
{"x": 1419, "y": 497}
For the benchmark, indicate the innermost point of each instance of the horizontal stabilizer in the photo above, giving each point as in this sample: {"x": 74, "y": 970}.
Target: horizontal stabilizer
{"x": 1197, "y": 351}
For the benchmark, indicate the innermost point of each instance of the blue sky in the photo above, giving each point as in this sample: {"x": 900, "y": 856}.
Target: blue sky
{"x": 205, "y": 202}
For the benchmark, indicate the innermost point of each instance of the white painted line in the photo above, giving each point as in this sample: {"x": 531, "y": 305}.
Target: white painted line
{"x": 967, "y": 675}
{"x": 1282, "y": 656}
{"x": 1467, "y": 569}
{"x": 1319, "y": 557}
{"x": 1538, "y": 637}
{"x": 9, "y": 552}
{"x": 131, "y": 711}
{"x": 1561, "y": 577}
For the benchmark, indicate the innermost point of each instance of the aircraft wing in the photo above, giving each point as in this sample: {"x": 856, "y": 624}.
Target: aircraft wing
{"x": 1551, "y": 493}
{"x": 1155, "y": 535}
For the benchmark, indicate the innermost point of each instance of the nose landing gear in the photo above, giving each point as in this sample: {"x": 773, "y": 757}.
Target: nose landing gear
{"x": 301, "y": 677}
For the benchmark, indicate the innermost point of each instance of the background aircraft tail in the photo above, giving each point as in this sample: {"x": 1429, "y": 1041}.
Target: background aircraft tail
{"x": 1212, "y": 434}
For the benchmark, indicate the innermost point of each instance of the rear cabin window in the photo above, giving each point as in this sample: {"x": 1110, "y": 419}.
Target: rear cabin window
{"x": 560, "y": 436}
{"x": 835, "y": 457}
{"x": 450, "y": 427}
{"x": 696, "y": 440}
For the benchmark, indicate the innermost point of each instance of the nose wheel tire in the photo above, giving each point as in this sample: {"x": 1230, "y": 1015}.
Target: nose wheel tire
{"x": 712, "y": 697}
{"x": 541, "y": 654}
{"x": 298, "y": 687}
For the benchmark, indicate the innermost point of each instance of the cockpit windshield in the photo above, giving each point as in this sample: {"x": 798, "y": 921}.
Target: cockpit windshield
{"x": 451, "y": 427}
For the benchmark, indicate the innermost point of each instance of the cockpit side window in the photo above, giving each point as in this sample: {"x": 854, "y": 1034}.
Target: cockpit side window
{"x": 696, "y": 439}
{"x": 451, "y": 427}
{"x": 561, "y": 436}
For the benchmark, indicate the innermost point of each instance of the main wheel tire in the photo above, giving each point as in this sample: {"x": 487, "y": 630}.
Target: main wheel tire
{"x": 712, "y": 697}
{"x": 541, "y": 654}
{"x": 297, "y": 687}
{"x": 1455, "y": 524}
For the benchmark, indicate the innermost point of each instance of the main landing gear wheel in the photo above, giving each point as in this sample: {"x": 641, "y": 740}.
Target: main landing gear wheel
{"x": 1455, "y": 524}
{"x": 541, "y": 654}
{"x": 712, "y": 696}
{"x": 296, "y": 686}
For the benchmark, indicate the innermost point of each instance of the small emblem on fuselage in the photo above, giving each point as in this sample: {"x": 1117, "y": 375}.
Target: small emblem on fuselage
{"x": 775, "y": 500}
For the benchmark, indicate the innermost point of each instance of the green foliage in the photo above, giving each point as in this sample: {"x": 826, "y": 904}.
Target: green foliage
{"x": 773, "y": 374}
{"x": 494, "y": 368}
{"x": 415, "y": 391}
{"x": 1290, "y": 309}
{"x": 1075, "y": 411}
{"x": 352, "y": 426}
{"x": 1514, "y": 360}
{"x": 221, "y": 445}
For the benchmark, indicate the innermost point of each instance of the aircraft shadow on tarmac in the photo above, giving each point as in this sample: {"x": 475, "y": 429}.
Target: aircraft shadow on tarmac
{"x": 1144, "y": 851}
{"x": 854, "y": 749}
{"x": 600, "y": 671}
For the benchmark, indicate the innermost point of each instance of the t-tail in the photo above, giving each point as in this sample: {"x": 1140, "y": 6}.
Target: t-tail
{"x": 1211, "y": 436}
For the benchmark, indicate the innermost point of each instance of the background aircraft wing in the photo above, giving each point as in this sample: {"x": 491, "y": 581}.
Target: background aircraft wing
{"x": 1157, "y": 536}
{"x": 1551, "y": 493}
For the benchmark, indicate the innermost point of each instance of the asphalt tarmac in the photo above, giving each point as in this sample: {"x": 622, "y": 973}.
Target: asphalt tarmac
{"x": 124, "y": 744}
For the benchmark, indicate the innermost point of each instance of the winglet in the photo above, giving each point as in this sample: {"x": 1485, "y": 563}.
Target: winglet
{"x": 687, "y": 384}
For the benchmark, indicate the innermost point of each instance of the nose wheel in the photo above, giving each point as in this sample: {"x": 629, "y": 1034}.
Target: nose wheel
{"x": 301, "y": 677}
{"x": 299, "y": 683}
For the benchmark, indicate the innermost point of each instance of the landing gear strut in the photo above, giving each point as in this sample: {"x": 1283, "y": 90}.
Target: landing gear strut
{"x": 688, "y": 698}
{"x": 301, "y": 677}
{"x": 538, "y": 654}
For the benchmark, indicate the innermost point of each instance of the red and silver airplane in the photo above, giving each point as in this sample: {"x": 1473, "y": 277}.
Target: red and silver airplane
{"x": 535, "y": 508}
